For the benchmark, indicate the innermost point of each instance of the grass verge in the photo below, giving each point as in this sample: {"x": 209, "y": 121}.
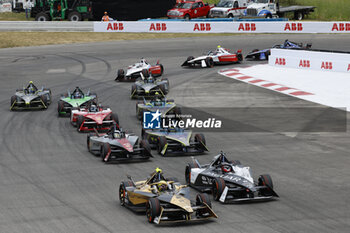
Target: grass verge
{"x": 20, "y": 39}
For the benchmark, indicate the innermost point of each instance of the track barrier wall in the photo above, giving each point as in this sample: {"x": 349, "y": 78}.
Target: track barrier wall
{"x": 222, "y": 27}
{"x": 314, "y": 60}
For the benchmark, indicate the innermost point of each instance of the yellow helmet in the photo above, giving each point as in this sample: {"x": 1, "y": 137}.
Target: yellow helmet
{"x": 31, "y": 82}
{"x": 157, "y": 93}
{"x": 158, "y": 170}
{"x": 162, "y": 185}
{"x": 219, "y": 46}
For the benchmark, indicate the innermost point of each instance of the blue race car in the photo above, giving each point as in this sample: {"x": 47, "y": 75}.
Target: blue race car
{"x": 264, "y": 54}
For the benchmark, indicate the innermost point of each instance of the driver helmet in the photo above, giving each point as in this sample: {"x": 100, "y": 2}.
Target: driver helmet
{"x": 116, "y": 134}
{"x": 162, "y": 186}
{"x": 225, "y": 167}
{"x": 77, "y": 95}
{"x": 31, "y": 89}
{"x": 105, "y": 12}
{"x": 93, "y": 108}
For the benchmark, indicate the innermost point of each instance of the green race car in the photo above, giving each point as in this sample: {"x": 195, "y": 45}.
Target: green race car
{"x": 75, "y": 99}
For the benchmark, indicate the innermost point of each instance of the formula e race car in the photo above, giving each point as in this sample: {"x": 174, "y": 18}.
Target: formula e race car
{"x": 75, "y": 99}
{"x": 175, "y": 140}
{"x": 163, "y": 105}
{"x": 31, "y": 97}
{"x": 265, "y": 53}
{"x": 119, "y": 146}
{"x": 164, "y": 200}
{"x": 229, "y": 181}
{"x": 148, "y": 86}
{"x": 93, "y": 117}
{"x": 133, "y": 72}
{"x": 219, "y": 56}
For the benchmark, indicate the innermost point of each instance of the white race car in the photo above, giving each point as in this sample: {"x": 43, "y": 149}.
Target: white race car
{"x": 133, "y": 71}
{"x": 219, "y": 56}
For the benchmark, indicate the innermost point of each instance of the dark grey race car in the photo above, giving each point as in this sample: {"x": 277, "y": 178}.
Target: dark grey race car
{"x": 163, "y": 105}
{"x": 175, "y": 141}
{"x": 118, "y": 146}
{"x": 229, "y": 181}
{"x": 31, "y": 97}
{"x": 149, "y": 86}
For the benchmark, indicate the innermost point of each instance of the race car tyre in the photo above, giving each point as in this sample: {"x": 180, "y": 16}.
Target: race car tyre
{"x": 163, "y": 89}
{"x": 60, "y": 106}
{"x": 268, "y": 16}
{"x": 13, "y": 100}
{"x": 133, "y": 90}
{"x": 209, "y": 62}
{"x": 201, "y": 140}
{"x": 138, "y": 110}
{"x": 267, "y": 54}
{"x": 120, "y": 75}
{"x": 161, "y": 69}
{"x": 123, "y": 192}
{"x": 265, "y": 180}
{"x": 145, "y": 73}
{"x": 42, "y": 17}
{"x": 167, "y": 82}
{"x": 239, "y": 57}
{"x": 230, "y": 16}
{"x": 80, "y": 121}
{"x": 147, "y": 151}
{"x": 115, "y": 118}
{"x": 88, "y": 141}
{"x": 74, "y": 16}
{"x": 45, "y": 100}
{"x": 218, "y": 187}
{"x": 143, "y": 133}
{"x": 203, "y": 198}
{"x": 236, "y": 162}
{"x": 187, "y": 17}
{"x": 188, "y": 171}
{"x": 105, "y": 149}
{"x": 161, "y": 144}
{"x": 153, "y": 209}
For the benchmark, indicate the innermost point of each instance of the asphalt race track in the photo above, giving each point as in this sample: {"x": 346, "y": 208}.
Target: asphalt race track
{"x": 50, "y": 183}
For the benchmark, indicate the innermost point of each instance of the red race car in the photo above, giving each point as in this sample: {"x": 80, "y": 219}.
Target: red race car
{"x": 93, "y": 117}
{"x": 189, "y": 10}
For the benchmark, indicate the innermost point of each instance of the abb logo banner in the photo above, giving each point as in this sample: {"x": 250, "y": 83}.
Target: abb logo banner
{"x": 158, "y": 27}
{"x": 308, "y": 59}
{"x": 115, "y": 26}
{"x": 222, "y": 27}
{"x": 280, "y": 61}
{"x": 304, "y": 63}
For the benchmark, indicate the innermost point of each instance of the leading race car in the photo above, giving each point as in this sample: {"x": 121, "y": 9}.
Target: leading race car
{"x": 31, "y": 97}
{"x": 175, "y": 141}
{"x": 119, "y": 146}
{"x": 163, "y": 105}
{"x": 93, "y": 117}
{"x": 149, "y": 86}
{"x": 219, "y": 56}
{"x": 75, "y": 99}
{"x": 164, "y": 200}
{"x": 229, "y": 181}
{"x": 133, "y": 71}
{"x": 264, "y": 54}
